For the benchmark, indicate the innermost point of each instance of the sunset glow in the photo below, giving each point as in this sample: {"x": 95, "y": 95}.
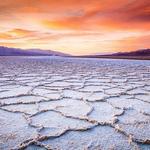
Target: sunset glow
{"x": 76, "y": 27}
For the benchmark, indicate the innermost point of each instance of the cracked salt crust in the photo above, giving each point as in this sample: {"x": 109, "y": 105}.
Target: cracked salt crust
{"x": 67, "y": 104}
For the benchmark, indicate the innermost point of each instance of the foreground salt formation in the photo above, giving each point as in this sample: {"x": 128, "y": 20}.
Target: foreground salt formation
{"x": 67, "y": 104}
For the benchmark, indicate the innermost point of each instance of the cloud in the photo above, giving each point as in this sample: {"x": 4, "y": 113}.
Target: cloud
{"x": 5, "y": 36}
{"x": 49, "y": 23}
{"x": 16, "y": 34}
{"x": 21, "y": 32}
{"x": 69, "y": 14}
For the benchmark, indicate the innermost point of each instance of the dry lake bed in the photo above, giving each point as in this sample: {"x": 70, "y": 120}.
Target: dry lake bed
{"x": 74, "y": 104}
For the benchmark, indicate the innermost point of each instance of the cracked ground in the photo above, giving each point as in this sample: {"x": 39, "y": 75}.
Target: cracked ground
{"x": 74, "y": 104}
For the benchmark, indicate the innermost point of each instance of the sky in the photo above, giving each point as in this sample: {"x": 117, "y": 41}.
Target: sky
{"x": 77, "y": 27}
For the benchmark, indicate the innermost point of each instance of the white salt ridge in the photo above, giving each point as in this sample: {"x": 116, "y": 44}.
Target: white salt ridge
{"x": 68, "y": 107}
{"x": 15, "y": 92}
{"x": 98, "y": 138}
{"x": 130, "y": 104}
{"x": 56, "y": 124}
{"x": 14, "y": 130}
{"x": 104, "y": 113}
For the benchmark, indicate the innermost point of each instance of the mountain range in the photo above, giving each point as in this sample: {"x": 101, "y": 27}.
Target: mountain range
{"x": 138, "y": 54}
{"x": 141, "y": 52}
{"x": 6, "y": 51}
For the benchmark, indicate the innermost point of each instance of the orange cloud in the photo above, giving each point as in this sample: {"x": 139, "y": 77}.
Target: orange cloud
{"x": 5, "y": 36}
{"x": 17, "y": 34}
{"x": 107, "y": 15}
{"x": 20, "y": 32}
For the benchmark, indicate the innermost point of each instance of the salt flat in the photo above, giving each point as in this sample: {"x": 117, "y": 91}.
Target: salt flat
{"x": 74, "y": 104}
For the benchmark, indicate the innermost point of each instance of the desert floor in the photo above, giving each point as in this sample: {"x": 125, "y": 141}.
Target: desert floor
{"x": 74, "y": 104}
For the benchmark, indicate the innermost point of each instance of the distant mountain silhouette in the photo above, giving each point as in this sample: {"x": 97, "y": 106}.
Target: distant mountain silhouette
{"x": 143, "y": 54}
{"x": 5, "y": 51}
